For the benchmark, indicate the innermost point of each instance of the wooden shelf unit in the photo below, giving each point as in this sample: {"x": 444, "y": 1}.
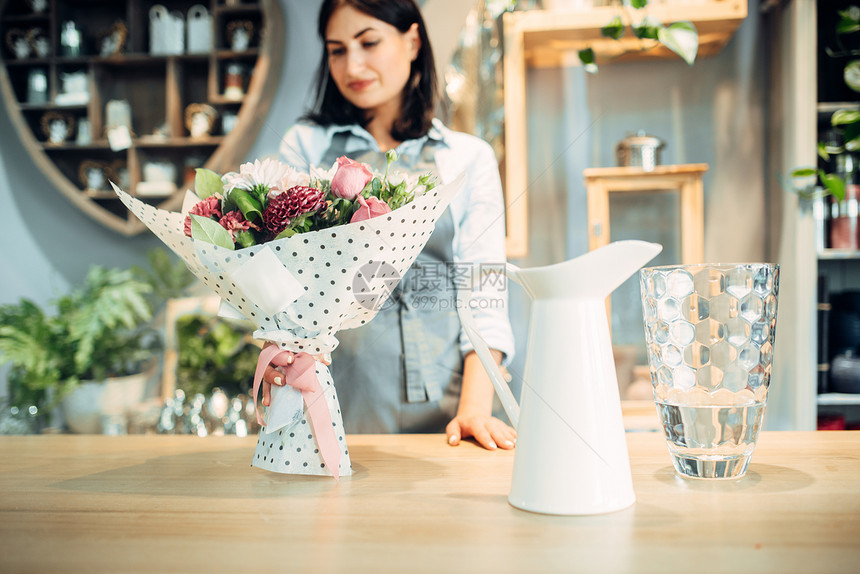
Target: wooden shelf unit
{"x": 549, "y": 37}
{"x": 685, "y": 180}
{"x": 234, "y": 9}
{"x": 838, "y": 269}
{"x": 542, "y": 38}
{"x": 158, "y": 88}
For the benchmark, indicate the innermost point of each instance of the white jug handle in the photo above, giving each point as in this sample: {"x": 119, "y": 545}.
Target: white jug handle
{"x": 464, "y": 310}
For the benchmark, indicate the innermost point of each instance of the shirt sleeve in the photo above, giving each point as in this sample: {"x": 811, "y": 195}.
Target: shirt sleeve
{"x": 481, "y": 242}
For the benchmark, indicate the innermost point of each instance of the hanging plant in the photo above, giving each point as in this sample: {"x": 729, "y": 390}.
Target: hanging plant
{"x": 679, "y": 37}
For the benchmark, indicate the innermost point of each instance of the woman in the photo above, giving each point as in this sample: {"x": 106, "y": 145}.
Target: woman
{"x": 411, "y": 369}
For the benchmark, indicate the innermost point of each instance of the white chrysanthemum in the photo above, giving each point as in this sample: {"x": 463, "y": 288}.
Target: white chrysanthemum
{"x": 267, "y": 173}
{"x": 290, "y": 179}
{"x": 318, "y": 173}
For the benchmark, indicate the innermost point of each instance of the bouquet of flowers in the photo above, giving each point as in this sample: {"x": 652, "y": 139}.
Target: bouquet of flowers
{"x": 268, "y": 200}
{"x": 302, "y": 256}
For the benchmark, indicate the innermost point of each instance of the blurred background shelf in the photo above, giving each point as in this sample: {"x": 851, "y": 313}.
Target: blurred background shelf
{"x": 163, "y": 92}
{"x": 838, "y": 399}
{"x": 839, "y": 254}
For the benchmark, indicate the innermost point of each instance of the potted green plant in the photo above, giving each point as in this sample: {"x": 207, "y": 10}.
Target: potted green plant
{"x": 99, "y": 332}
{"x": 214, "y": 352}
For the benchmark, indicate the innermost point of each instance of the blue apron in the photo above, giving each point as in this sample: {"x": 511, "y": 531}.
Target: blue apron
{"x": 402, "y": 371}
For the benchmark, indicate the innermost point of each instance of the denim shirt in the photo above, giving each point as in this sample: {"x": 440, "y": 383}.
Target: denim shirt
{"x": 478, "y": 208}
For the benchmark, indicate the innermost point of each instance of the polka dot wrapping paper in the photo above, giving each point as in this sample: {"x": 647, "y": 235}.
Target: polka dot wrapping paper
{"x": 293, "y": 449}
{"x": 307, "y": 288}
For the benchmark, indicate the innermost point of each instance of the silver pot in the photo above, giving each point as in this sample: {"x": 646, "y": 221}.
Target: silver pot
{"x": 639, "y": 150}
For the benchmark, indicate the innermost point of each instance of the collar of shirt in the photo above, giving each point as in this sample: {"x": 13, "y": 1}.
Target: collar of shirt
{"x": 361, "y": 140}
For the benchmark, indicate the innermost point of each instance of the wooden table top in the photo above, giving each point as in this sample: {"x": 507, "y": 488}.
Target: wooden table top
{"x": 163, "y": 504}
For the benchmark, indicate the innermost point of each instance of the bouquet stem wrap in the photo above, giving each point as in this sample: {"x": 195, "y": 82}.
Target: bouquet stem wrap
{"x": 300, "y": 291}
{"x": 300, "y": 374}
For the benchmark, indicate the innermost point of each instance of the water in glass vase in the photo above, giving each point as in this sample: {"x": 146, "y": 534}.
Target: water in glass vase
{"x": 711, "y": 441}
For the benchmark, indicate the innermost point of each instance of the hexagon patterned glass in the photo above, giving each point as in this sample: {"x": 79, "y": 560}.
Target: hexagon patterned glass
{"x": 710, "y": 332}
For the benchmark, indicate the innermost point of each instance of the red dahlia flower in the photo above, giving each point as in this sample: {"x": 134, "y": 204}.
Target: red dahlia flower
{"x": 289, "y": 205}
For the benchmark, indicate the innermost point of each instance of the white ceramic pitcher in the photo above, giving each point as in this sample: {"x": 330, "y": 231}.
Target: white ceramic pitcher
{"x": 571, "y": 455}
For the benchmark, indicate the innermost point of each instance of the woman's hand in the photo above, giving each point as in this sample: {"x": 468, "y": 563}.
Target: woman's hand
{"x": 490, "y": 432}
{"x": 474, "y": 418}
{"x": 275, "y": 375}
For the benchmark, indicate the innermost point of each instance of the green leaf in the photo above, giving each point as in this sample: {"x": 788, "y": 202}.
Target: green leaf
{"x": 847, "y": 24}
{"x": 614, "y": 29}
{"x": 347, "y": 209}
{"x": 111, "y": 298}
{"x": 260, "y": 192}
{"x": 30, "y": 342}
{"x": 803, "y": 181}
{"x": 207, "y": 183}
{"x": 303, "y": 222}
{"x": 851, "y": 136}
{"x": 285, "y": 233}
{"x": 647, "y": 29}
{"x": 803, "y": 172}
{"x": 247, "y": 204}
{"x": 845, "y": 117}
{"x": 851, "y": 75}
{"x": 377, "y": 186}
{"x": 638, "y": 3}
{"x": 228, "y": 204}
{"x": 368, "y": 189}
{"x": 299, "y": 224}
{"x": 398, "y": 195}
{"x": 587, "y": 58}
{"x": 834, "y": 184}
{"x": 325, "y": 187}
{"x": 246, "y": 238}
{"x": 822, "y": 151}
{"x": 428, "y": 180}
{"x": 681, "y": 38}
{"x": 210, "y": 231}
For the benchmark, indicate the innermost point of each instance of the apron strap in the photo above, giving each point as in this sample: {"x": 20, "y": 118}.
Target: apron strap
{"x": 425, "y": 380}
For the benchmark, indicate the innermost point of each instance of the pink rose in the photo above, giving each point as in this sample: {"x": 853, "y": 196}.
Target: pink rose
{"x": 209, "y": 207}
{"x": 350, "y": 178}
{"x": 370, "y": 207}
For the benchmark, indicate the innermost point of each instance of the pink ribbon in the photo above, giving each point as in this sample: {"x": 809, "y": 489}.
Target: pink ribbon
{"x": 301, "y": 374}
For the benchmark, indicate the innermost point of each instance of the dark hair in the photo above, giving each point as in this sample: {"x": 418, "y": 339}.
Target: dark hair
{"x": 419, "y": 94}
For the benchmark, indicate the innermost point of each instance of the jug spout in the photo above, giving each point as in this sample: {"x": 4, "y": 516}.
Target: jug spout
{"x": 591, "y": 276}
{"x": 595, "y": 274}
